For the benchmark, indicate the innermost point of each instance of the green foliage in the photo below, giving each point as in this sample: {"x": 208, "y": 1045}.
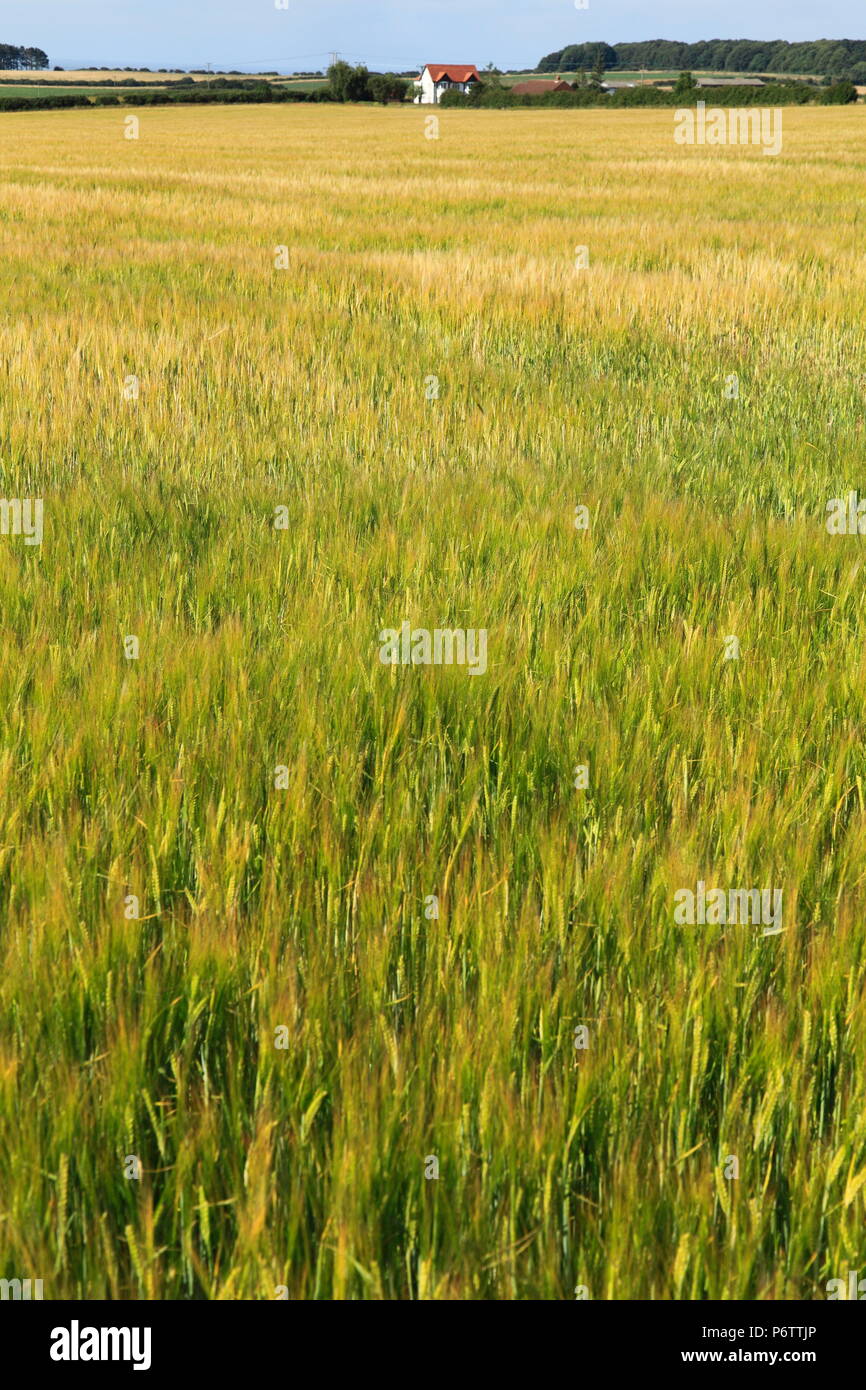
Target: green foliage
{"x": 490, "y": 81}
{"x": 771, "y": 94}
{"x": 840, "y": 94}
{"x": 54, "y": 103}
{"x": 836, "y": 58}
{"x": 225, "y": 94}
{"x": 581, "y": 57}
{"x": 349, "y": 84}
{"x": 685, "y": 84}
{"x": 385, "y": 87}
{"x": 13, "y": 58}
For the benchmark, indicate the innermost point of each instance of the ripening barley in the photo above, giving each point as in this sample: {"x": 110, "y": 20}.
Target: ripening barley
{"x": 395, "y": 421}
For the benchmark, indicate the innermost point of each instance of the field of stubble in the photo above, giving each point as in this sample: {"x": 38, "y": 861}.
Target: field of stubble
{"x": 304, "y": 907}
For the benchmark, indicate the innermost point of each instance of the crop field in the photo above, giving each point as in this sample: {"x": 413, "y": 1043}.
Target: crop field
{"x": 97, "y": 75}
{"x": 647, "y": 76}
{"x": 139, "y": 79}
{"x": 613, "y": 74}
{"x": 359, "y": 979}
{"x": 12, "y": 90}
{"x": 302, "y": 84}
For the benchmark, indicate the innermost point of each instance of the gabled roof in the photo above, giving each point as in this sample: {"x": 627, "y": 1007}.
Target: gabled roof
{"x": 455, "y": 72}
{"x": 528, "y": 89}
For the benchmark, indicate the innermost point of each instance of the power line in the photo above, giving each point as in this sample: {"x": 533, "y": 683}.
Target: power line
{"x": 302, "y": 57}
{"x": 274, "y": 64}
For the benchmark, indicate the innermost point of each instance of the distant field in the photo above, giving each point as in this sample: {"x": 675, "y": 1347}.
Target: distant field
{"x": 511, "y": 77}
{"x": 653, "y": 75}
{"x": 303, "y": 84}
{"x": 612, "y": 76}
{"x": 7, "y": 91}
{"x": 95, "y": 84}
{"x": 73, "y": 75}
{"x": 136, "y": 83}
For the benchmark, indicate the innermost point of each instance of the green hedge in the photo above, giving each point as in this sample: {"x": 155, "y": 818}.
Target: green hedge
{"x": 773, "y": 94}
{"x": 41, "y": 103}
{"x": 257, "y": 94}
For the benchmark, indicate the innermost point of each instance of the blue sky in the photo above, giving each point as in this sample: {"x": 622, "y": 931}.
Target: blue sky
{"x": 390, "y": 33}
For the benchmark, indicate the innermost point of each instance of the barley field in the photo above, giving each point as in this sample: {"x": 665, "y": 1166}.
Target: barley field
{"x": 97, "y": 75}
{"x": 237, "y": 1043}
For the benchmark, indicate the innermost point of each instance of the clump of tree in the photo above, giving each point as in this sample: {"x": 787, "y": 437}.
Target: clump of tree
{"x": 685, "y": 84}
{"x": 839, "y": 94}
{"x": 837, "y": 59}
{"x": 22, "y": 59}
{"x": 387, "y": 86}
{"x": 346, "y": 83}
{"x": 581, "y": 58}
{"x": 349, "y": 84}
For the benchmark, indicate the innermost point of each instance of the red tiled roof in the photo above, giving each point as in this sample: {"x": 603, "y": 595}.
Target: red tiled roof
{"x": 456, "y": 72}
{"x": 528, "y": 89}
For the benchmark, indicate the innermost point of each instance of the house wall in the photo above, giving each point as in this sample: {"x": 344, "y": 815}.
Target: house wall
{"x": 427, "y": 89}
{"x": 430, "y": 92}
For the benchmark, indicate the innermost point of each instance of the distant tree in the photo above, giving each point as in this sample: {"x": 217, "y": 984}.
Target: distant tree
{"x": 348, "y": 83}
{"x": 338, "y": 79}
{"x": 840, "y": 94}
{"x": 834, "y": 57}
{"x": 11, "y": 57}
{"x": 359, "y": 85}
{"x": 685, "y": 84}
{"x": 578, "y": 57}
{"x": 385, "y": 87}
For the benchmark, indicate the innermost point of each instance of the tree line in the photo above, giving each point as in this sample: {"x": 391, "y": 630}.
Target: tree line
{"x": 252, "y": 94}
{"x": 834, "y": 58}
{"x": 346, "y": 83}
{"x": 22, "y": 59}
{"x": 684, "y": 94}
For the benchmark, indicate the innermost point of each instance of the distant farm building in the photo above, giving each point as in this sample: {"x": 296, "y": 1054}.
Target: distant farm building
{"x": 538, "y": 89}
{"x": 439, "y": 78}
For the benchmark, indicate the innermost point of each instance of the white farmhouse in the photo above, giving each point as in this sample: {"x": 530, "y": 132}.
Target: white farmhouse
{"x": 438, "y": 78}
